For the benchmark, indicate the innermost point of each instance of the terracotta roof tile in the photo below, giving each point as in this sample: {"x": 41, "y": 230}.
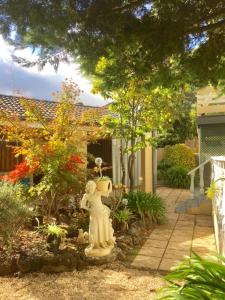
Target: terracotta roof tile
{"x": 12, "y": 105}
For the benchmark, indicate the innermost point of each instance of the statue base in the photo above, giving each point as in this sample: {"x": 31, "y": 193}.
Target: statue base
{"x": 98, "y": 252}
{"x": 101, "y": 260}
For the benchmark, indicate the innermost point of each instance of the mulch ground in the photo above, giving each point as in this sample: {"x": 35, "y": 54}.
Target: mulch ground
{"x": 112, "y": 282}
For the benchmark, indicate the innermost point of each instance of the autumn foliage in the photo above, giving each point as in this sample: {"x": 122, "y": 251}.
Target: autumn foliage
{"x": 52, "y": 148}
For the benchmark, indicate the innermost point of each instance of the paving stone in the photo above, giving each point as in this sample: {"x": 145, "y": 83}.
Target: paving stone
{"x": 179, "y": 238}
{"x": 172, "y": 216}
{"x": 181, "y": 234}
{"x": 152, "y": 251}
{"x": 185, "y": 233}
{"x": 174, "y": 253}
{"x": 156, "y": 243}
{"x": 187, "y": 223}
{"x": 168, "y": 263}
{"x": 179, "y": 245}
{"x": 185, "y": 217}
{"x": 204, "y": 224}
{"x": 145, "y": 262}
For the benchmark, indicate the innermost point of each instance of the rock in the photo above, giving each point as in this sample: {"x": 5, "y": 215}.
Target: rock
{"x": 121, "y": 255}
{"x": 65, "y": 261}
{"x": 126, "y": 239}
{"x": 136, "y": 228}
{"x": 137, "y": 240}
{"x": 28, "y": 264}
{"x": 8, "y": 267}
{"x": 123, "y": 246}
{"x": 137, "y": 232}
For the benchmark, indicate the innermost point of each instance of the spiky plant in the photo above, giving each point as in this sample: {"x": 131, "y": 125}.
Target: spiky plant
{"x": 196, "y": 278}
{"x": 146, "y": 205}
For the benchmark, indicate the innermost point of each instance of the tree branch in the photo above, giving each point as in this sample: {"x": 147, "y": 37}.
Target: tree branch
{"x": 206, "y": 27}
{"x": 132, "y": 4}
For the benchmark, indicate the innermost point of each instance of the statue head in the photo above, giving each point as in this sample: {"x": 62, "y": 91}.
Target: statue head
{"x": 90, "y": 187}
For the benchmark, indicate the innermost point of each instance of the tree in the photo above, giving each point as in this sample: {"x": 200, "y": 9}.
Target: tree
{"x": 135, "y": 112}
{"x": 182, "y": 128}
{"x": 167, "y": 42}
{"x": 51, "y": 148}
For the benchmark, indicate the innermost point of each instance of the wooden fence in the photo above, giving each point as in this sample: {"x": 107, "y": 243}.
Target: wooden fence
{"x": 7, "y": 158}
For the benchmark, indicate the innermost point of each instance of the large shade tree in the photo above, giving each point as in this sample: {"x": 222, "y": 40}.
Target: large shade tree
{"x": 168, "y": 42}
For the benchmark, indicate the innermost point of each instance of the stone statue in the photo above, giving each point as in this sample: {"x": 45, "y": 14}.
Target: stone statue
{"x": 101, "y": 240}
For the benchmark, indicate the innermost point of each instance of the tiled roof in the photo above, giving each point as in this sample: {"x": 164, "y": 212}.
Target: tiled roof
{"x": 13, "y": 105}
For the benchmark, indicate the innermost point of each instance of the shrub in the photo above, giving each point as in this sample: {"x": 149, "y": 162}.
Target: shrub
{"x": 177, "y": 177}
{"x": 180, "y": 155}
{"x": 147, "y": 205}
{"x": 13, "y": 211}
{"x": 196, "y": 278}
{"x": 162, "y": 169}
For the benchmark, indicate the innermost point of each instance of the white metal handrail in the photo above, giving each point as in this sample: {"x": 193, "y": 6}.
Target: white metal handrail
{"x": 199, "y": 166}
{"x": 201, "y": 175}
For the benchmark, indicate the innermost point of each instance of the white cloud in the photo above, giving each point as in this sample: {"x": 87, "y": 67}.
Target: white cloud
{"x": 31, "y": 82}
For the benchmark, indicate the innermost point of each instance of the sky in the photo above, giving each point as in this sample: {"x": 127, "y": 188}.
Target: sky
{"x": 29, "y": 82}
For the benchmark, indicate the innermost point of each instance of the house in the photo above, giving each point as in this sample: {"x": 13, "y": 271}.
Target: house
{"x": 107, "y": 148}
{"x": 211, "y": 134}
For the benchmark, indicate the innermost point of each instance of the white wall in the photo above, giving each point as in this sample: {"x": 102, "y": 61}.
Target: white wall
{"x": 218, "y": 172}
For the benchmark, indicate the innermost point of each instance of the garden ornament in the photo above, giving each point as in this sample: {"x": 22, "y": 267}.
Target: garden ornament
{"x": 101, "y": 239}
{"x": 82, "y": 237}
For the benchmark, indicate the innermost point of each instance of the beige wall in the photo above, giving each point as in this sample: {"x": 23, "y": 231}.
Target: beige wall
{"x": 147, "y": 168}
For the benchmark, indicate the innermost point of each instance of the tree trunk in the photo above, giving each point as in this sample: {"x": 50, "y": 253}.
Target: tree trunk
{"x": 131, "y": 161}
{"x": 122, "y": 163}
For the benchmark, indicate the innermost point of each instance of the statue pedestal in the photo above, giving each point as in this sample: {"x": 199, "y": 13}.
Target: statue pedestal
{"x": 99, "y": 252}
{"x": 101, "y": 260}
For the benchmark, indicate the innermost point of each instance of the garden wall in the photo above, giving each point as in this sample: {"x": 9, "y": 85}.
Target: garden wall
{"x": 218, "y": 176}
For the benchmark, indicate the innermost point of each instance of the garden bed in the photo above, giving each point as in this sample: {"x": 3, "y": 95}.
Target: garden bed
{"x": 29, "y": 252}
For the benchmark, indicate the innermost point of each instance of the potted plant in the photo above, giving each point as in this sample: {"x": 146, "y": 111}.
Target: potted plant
{"x": 103, "y": 183}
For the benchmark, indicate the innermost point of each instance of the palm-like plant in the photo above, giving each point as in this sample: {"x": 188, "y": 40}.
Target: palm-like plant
{"x": 196, "y": 278}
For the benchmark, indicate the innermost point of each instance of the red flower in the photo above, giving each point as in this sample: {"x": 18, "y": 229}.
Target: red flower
{"x": 76, "y": 159}
{"x": 21, "y": 171}
{"x": 71, "y": 165}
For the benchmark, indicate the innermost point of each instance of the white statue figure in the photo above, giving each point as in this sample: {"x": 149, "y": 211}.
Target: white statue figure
{"x": 101, "y": 240}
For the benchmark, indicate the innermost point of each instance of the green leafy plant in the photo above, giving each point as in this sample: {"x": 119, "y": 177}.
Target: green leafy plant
{"x": 146, "y": 205}
{"x": 55, "y": 236}
{"x": 196, "y": 278}
{"x": 213, "y": 189}
{"x": 56, "y": 231}
{"x": 123, "y": 217}
{"x": 102, "y": 178}
{"x": 13, "y": 210}
{"x": 176, "y": 176}
{"x": 180, "y": 155}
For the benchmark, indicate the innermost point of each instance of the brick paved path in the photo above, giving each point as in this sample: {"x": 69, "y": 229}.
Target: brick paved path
{"x": 170, "y": 242}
